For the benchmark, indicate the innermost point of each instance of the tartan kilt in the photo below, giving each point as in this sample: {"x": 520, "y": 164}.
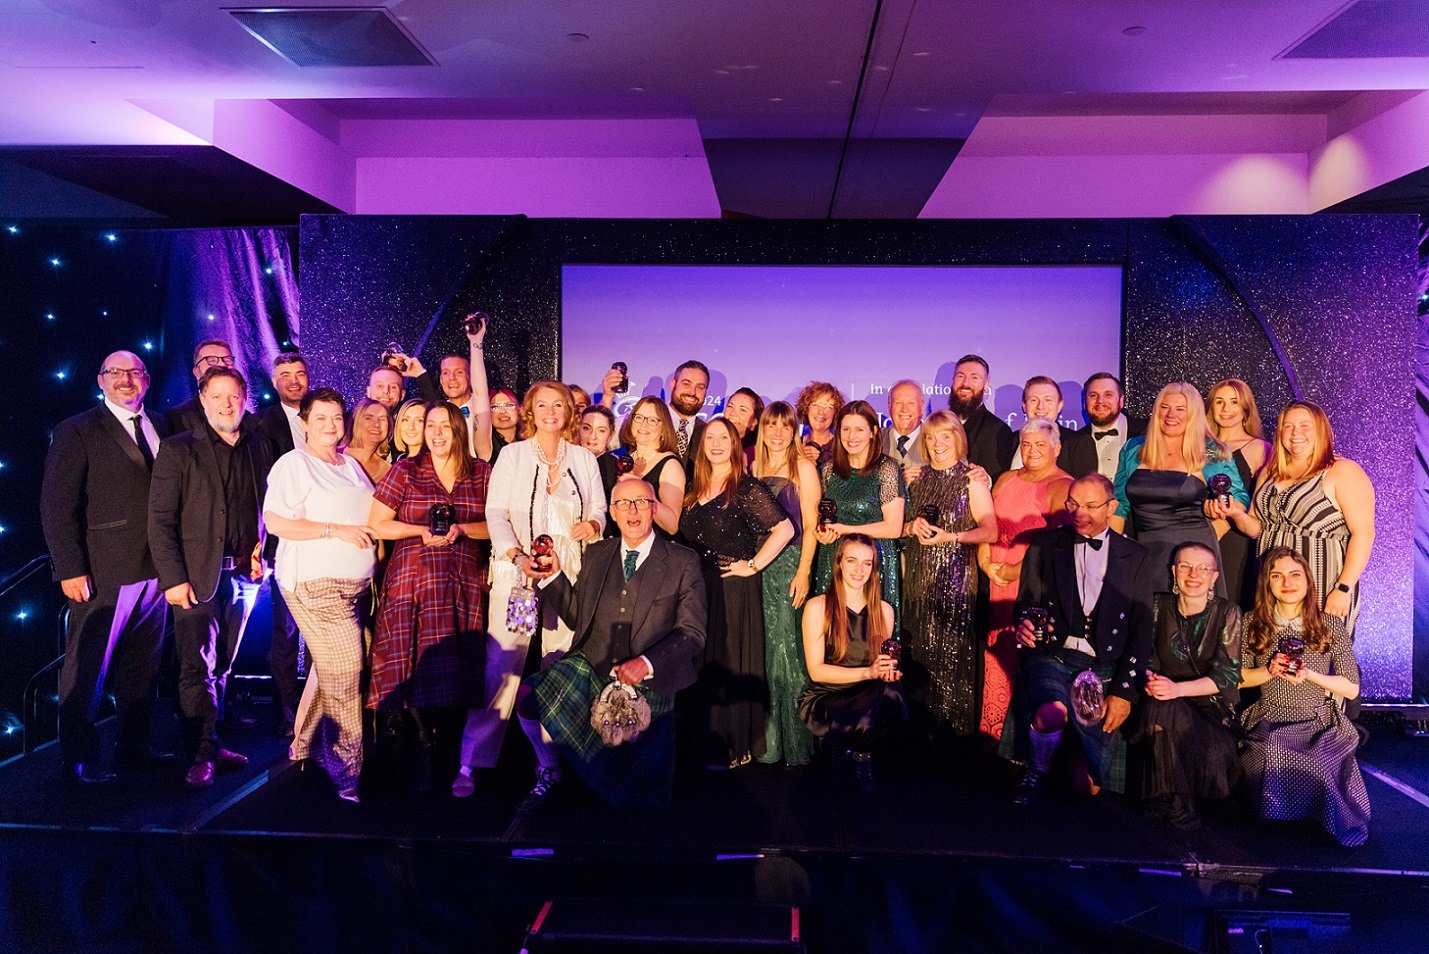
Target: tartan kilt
{"x": 1046, "y": 676}
{"x": 640, "y": 772}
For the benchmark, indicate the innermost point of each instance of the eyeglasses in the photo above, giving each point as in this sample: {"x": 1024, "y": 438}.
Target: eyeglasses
{"x": 214, "y": 360}
{"x": 503, "y": 407}
{"x": 826, "y": 407}
{"x": 641, "y": 504}
{"x": 644, "y": 419}
{"x": 1196, "y": 569}
{"x": 1073, "y": 506}
{"x": 114, "y": 374}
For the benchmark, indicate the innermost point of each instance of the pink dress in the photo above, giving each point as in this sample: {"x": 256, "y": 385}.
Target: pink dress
{"x": 1021, "y": 508}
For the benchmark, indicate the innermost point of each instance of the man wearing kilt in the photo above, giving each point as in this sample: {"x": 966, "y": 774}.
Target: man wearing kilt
{"x": 1096, "y": 588}
{"x": 638, "y": 614}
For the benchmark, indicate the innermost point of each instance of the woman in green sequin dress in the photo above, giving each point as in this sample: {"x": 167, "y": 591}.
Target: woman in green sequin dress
{"x": 794, "y": 481}
{"x": 868, "y": 487}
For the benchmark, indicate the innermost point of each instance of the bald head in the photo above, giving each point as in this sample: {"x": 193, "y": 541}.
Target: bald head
{"x": 124, "y": 380}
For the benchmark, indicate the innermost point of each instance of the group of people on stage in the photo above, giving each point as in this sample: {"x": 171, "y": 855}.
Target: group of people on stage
{"x": 761, "y": 585}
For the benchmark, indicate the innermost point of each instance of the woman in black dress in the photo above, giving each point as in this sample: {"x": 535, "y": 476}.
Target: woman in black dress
{"x": 1235, "y": 422}
{"x": 1184, "y": 728}
{"x": 855, "y": 690}
{"x": 649, "y": 438}
{"x": 726, "y": 514}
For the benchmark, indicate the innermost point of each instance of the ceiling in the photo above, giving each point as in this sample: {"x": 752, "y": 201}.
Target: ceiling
{"x": 806, "y": 109}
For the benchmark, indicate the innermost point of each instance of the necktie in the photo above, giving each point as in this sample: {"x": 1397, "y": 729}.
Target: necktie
{"x": 1098, "y": 435}
{"x": 630, "y": 557}
{"x": 903, "y": 445}
{"x": 1094, "y": 542}
{"x": 682, "y": 436}
{"x": 142, "y": 441}
{"x": 465, "y": 411}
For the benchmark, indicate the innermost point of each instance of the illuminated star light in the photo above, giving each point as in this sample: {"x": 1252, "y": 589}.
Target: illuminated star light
{"x": 148, "y": 346}
{"x": 55, "y": 262}
{"x": 60, "y": 375}
{"x": 13, "y": 229}
{"x": 111, "y": 236}
{"x": 49, "y": 316}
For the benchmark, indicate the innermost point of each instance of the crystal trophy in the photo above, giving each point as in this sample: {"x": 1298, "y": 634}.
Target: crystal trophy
{"x": 395, "y": 357}
{"x": 624, "y": 463}
{"x": 624, "y": 370}
{"x": 474, "y": 322}
{"x": 893, "y": 649}
{"x": 1220, "y": 485}
{"x": 1293, "y": 649}
{"x": 1039, "y": 618}
{"x": 828, "y": 511}
{"x": 929, "y": 513}
{"x": 440, "y": 519}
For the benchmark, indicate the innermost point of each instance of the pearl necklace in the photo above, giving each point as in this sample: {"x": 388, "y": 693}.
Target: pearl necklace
{"x": 553, "y": 467}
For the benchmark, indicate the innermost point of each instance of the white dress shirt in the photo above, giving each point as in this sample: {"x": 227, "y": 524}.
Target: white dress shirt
{"x": 1109, "y": 448}
{"x": 1091, "y": 566}
{"x": 295, "y": 424}
{"x": 126, "y": 419}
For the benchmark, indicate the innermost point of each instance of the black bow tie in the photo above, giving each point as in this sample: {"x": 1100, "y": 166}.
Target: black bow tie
{"x": 1098, "y": 435}
{"x": 1094, "y": 542}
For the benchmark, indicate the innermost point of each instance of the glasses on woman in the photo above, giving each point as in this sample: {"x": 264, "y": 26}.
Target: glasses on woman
{"x": 644, "y": 419}
{"x": 641, "y": 504}
{"x": 1196, "y": 569}
{"x": 503, "y": 407}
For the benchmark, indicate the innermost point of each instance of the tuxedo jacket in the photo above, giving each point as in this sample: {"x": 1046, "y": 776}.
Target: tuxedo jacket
{"x": 669, "y": 624}
{"x": 697, "y": 432}
{"x": 991, "y": 442}
{"x": 186, "y": 416}
{"x": 94, "y": 501}
{"x": 1123, "y": 631}
{"x": 186, "y": 507}
{"x": 1079, "y": 451}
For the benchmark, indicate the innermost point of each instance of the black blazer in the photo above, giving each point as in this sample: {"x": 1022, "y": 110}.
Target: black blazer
{"x": 94, "y": 501}
{"x": 186, "y": 519}
{"x": 669, "y": 625}
{"x": 697, "y": 433}
{"x": 1124, "y": 624}
{"x": 991, "y": 442}
{"x": 1079, "y": 452}
{"x": 272, "y": 421}
{"x": 186, "y": 416}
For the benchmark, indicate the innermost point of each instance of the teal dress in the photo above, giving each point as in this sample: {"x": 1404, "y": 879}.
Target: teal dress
{"x": 861, "y": 499}
{"x": 786, "y": 738}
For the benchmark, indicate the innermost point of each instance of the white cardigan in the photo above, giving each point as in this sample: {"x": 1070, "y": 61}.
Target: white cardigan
{"x": 508, "y": 496}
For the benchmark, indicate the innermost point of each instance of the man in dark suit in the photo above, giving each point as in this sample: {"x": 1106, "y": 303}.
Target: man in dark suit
{"x": 189, "y": 414}
{"x": 1096, "y": 587}
{"x": 991, "y": 442}
{"x": 637, "y": 611}
{"x": 94, "y": 506}
{"x": 1042, "y": 397}
{"x": 688, "y": 386}
{"x": 1096, "y": 448}
{"x": 279, "y": 423}
{"x": 206, "y": 533}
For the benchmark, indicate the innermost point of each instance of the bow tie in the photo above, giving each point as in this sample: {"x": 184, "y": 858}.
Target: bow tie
{"x": 1098, "y": 435}
{"x": 1094, "y": 542}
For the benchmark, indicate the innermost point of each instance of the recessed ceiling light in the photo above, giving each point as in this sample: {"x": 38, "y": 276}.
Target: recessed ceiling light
{"x": 1133, "y": 31}
{"x": 924, "y": 53}
{"x": 776, "y": 99}
{"x": 578, "y": 37}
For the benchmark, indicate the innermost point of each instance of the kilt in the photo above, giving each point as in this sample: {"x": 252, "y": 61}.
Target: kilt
{"x": 640, "y": 772}
{"x": 1046, "y": 676}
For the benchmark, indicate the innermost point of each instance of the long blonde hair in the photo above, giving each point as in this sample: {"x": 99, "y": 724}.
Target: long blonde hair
{"x": 1322, "y": 453}
{"x": 1198, "y": 447}
{"x": 1249, "y": 413}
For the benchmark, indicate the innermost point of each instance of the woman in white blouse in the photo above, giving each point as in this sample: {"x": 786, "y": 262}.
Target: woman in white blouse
{"x": 317, "y": 504}
{"x": 544, "y": 484}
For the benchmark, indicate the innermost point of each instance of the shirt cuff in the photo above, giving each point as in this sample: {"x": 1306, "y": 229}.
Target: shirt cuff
{"x": 648, "y": 665}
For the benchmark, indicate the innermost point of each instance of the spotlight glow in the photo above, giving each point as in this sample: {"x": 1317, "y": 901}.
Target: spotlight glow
{"x": 111, "y": 236}
{"x": 148, "y": 346}
{"x": 55, "y": 262}
{"x": 60, "y": 375}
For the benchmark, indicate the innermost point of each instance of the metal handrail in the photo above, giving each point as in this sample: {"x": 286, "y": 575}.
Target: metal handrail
{"x": 23, "y": 574}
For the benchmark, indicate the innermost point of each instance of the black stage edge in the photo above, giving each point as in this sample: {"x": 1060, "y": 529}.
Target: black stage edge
{"x": 936, "y": 859}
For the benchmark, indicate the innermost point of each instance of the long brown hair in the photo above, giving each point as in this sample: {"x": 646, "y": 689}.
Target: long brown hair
{"x": 702, "y": 479}
{"x": 460, "y": 449}
{"x": 1250, "y": 415}
{"x": 835, "y": 609}
{"x": 842, "y": 466}
{"x": 1260, "y": 627}
{"x": 667, "y": 439}
{"x": 1322, "y": 455}
{"x": 781, "y": 412}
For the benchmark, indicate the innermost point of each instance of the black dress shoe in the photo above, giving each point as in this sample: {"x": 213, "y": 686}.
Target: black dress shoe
{"x": 226, "y": 761}
{"x": 200, "y": 775}
{"x": 1029, "y": 786}
{"x": 546, "y": 782}
{"x": 144, "y": 756}
{"x": 86, "y": 773}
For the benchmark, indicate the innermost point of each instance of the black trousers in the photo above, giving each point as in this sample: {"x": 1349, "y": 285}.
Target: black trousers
{"x": 283, "y": 656}
{"x": 115, "y": 637}
{"x": 206, "y": 638}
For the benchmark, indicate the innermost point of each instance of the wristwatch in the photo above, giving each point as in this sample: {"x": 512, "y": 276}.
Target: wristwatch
{"x": 516, "y": 558}
{"x": 1342, "y": 587}
{"x": 752, "y": 567}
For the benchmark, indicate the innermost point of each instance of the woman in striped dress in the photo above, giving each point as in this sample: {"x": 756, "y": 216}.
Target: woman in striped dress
{"x": 1316, "y": 504}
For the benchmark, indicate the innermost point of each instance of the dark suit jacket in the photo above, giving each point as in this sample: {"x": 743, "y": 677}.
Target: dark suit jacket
{"x": 1079, "y": 452}
{"x": 430, "y": 390}
{"x": 991, "y": 442}
{"x": 272, "y": 421}
{"x": 94, "y": 501}
{"x": 697, "y": 432}
{"x": 669, "y": 624}
{"x": 186, "y": 518}
{"x": 1124, "y": 626}
{"x": 185, "y": 416}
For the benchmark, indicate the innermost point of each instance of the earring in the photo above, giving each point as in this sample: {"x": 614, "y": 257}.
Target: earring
{"x": 1175, "y": 589}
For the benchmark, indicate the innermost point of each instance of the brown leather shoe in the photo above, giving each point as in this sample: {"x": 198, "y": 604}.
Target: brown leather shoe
{"x": 200, "y": 775}
{"x": 227, "y": 761}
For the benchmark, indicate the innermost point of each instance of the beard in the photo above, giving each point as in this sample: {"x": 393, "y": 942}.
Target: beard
{"x": 1102, "y": 423}
{"x": 225, "y": 426}
{"x": 686, "y": 404}
{"x": 965, "y": 409}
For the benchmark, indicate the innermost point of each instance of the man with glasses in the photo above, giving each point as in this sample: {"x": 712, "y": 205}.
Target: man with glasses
{"x": 189, "y": 415}
{"x": 638, "y": 612}
{"x": 1095, "y": 588}
{"x": 94, "y": 506}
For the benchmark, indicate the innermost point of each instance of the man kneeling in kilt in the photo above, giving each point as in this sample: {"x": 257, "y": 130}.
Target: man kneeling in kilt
{"x": 638, "y": 614}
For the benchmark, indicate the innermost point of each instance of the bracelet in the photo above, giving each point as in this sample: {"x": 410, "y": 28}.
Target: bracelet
{"x": 327, "y": 531}
{"x": 517, "y": 557}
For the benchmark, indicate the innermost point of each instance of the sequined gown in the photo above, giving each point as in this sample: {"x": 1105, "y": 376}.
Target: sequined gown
{"x": 786, "y": 738}
{"x": 940, "y": 595}
{"x": 1021, "y": 508}
{"x": 1300, "y": 760}
{"x": 1304, "y": 519}
{"x": 861, "y": 499}
{"x": 732, "y": 692}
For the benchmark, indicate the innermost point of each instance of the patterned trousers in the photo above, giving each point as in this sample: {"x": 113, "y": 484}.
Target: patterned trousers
{"x": 329, "y": 721}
